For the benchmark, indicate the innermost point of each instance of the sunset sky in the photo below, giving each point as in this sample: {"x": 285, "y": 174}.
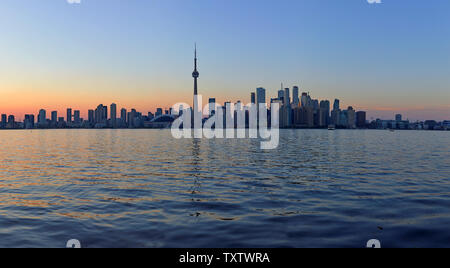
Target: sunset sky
{"x": 386, "y": 58}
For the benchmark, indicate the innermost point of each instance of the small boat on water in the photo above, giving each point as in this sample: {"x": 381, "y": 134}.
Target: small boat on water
{"x": 331, "y": 127}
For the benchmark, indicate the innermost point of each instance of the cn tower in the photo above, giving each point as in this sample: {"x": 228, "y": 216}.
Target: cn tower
{"x": 195, "y": 74}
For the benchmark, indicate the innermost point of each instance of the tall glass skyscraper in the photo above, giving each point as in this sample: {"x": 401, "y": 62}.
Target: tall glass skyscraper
{"x": 295, "y": 99}
{"x": 261, "y": 95}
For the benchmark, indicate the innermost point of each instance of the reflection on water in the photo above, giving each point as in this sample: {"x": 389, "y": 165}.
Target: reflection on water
{"x": 141, "y": 188}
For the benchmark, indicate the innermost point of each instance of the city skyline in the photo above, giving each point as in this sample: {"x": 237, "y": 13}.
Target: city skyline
{"x": 81, "y": 55}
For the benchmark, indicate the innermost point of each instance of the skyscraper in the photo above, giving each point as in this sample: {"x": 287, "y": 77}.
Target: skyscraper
{"x": 261, "y": 95}
{"x": 91, "y": 116}
{"x": 287, "y": 96}
{"x": 76, "y": 117}
{"x": 351, "y": 117}
{"x": 69, "y": 116}
{"x": 324, "y": 113}
{"x": 131, "y": 118}
{"x": 54, "y": 117}
{"x": 11, "y": 121}
{"x": 4, "y": 121}
{"x": 101, "y": 115}
{"x": 159, "y": 112}
{"x": 305, "y": 101}
{"x": 212, "y": 106}
{"x": 113, "y": 115}
{"x": 336, "y": 105}
{"x": 123, "y": 116}
{"x": 42, "y": 118}
{"x": 281, "y": 95}
{"x": 295, "y": 99}
{"x": 253, "y": 97}
{"x": 336, "y": 114}
{"x": 28, "y": 122}
{"x": 361, "y": 119}
{"x": 287, "y": 111}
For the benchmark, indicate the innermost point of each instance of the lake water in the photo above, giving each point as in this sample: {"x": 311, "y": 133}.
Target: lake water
{"x": 142, "y": 188}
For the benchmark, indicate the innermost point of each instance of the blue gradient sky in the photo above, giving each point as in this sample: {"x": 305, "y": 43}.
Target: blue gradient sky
{"x": 384, "y": 58}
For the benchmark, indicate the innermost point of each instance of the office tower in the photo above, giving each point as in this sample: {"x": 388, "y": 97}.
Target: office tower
{"x": 304, "y": 100}
{"x": 335, "y": 117}
{"x": 69, "y": 116}
{"x": 31, "y": 120}
{"x": 101, "y": 115}
{"x": 238, "y": 105}
{"x": 281, "y": 94}
{"x": 123, "y": 116}
{"x": 91, "y": 116}
{"x": 159, "y": 112}
{"x": 54, "y": 117}
{"x": 150, "y": 116}
{"x": 212, "y": 106}
{"x": 11, "y": 121}
{"x": 28, "y": 122}
{"x": 361, "y": 119}
{"x": 131, "y": 118}
{"x": 4, "y": 121}
{"x": 253, "y": 98}
{"x": 351, "y": 117}
{"x": 303, "y": 116}
{"x": 42, "y": 117}
{"x": 261, "y": 95}
{"x": 287, "y": 111}
{"x": 398, "y": 117}
{"x": 180, "y": 110}
{"x": 315, "y": 104}
{"x": 105, "y": 114}
{"x": 76, "y": 117}
{"x": 343, "y": 118}
{"x": 324, "y": 113}
{"x": 113, "y": 115}
{"x": 295, "y": 98}
{"x": 336, "y": 105}
{"x": 287, "y": 96}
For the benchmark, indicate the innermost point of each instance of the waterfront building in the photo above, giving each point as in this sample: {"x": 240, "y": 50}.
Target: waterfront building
{"x": 123, "y": 117}
{"x": 212, "y": 106}
{"x": 4, "y": 121}
{"x": 159, "y": 112}
{"x": 113, "y": 115}
{"x": 77, "y": 117}
{"x": 336, "y": 105}
{"x": 69, "y": 116}
{"x": 42, "y": 118}
{"x": 54, "y": 119}
{"x": 324, "y": 113}
{"x": 28, "y": 122}
{"x": 91, "y": 117}
{"x": 351, "y": 118}
{"x": 261, "y": 95}
{"x": 361, "y": 119}
{"x": 295, "y": 96}
{"x": 11, "y": 122}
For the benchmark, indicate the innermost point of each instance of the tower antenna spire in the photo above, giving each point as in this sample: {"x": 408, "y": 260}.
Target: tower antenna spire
{"x": 195, "y": 74}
